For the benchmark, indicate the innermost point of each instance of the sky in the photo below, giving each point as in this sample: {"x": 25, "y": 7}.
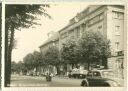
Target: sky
{"x": 29, "y": 40}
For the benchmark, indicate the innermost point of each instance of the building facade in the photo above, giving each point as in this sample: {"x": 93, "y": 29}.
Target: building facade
{"x": 53, "y": 40}
{"x": 108, "y": 19}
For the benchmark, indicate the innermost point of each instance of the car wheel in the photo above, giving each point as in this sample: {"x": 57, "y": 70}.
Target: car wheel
{"x": 84, "y": 83}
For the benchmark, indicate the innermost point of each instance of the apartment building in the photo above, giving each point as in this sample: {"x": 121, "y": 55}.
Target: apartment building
{"x": 53, "y": 40}
{"x": 108, "y": 19}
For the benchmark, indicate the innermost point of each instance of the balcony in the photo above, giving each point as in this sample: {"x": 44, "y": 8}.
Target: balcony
{"x": 120, "y": 53}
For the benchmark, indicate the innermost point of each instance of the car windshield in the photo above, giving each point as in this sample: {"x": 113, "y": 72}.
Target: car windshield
{"x": 108, "y": 74}
{"x": 96, "y": 74}
{"x": 89, "y": 74}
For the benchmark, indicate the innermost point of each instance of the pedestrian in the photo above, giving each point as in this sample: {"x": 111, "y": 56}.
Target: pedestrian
{"x": 48, "y": 77}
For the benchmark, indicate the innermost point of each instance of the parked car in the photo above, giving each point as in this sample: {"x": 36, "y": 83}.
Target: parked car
{"x": 99, "y": 78}
{"x": 77, "y": 73}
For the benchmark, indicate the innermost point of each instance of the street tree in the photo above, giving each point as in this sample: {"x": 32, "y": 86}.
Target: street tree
{"x": 21, "y": 68}
{"x": 42, "y": 60}
{"x": 13, "y": 67}
{"x": 0, "y": 34}
{"x": 29, "y": 62}
{"x": 93, "y": 47}
{"x": 68, "y": 53}
{"x": 18, "y": 68}
{"x": 17, "y": 17}
{"x": 37, "y": 60}
{"x": 52, "y": 57}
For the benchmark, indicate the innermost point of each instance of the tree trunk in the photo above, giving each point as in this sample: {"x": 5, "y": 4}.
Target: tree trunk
{"x": 10, "y": 50}
{"x": 104, "y": 62}
{"x": 0, "y": 42}
{"x": 58, "y": 69}
{"x": 0, "y": 37}
{"x": 72, "y": 66}
{"x": 6, "y": 56}
{"x": 65, "y": 69}
{"x": 36, "y": 70}
{"x": 9, "y": 54}
{"x": 88, "y": 66}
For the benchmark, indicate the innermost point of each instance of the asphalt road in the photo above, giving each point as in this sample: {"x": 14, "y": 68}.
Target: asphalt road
{"x": 31, "y": 81}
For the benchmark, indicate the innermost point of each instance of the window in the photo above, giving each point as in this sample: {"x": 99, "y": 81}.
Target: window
{"x": 95, "y": 19}
{"x": 118, "y": 15}
{"x": 107, "y": 74}
{"x": 117, "y": 45}
{"x": 101, "y": 16}
{"x": 117, "y": 30}
{"x": 83, "y": 27}
{"x": 121, "y": 16}
{"x": 99, "y": 28}
{"x": 120, "y": 53}
{"x": 90, "y": 22}
{"x": 64, "y": 35}
{"x": 71, "y": 33}
{"x": 78, "y": 32}
{"x": 89, "y": 74}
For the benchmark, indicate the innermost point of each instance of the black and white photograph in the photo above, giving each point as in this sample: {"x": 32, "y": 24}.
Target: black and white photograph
{"x": 64, "y": 45}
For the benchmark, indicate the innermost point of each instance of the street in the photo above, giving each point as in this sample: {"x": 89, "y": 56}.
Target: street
{"x": 35, "y": 81}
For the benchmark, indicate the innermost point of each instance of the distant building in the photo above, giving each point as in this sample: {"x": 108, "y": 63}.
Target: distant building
{"x": 108, "y": 19}
{"x": 53, "y": 40}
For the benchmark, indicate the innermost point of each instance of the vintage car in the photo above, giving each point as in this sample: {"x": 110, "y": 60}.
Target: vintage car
{"x": 77, "y": 73}
{"x": 99, "y": 78}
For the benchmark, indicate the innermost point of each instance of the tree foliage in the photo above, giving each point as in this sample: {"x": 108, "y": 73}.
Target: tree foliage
{"x": 24, "y": 16}
{"x": 17, "y": 17}
{"x": 37, "y": 59}
{"x": 13, "y": 67}
{"x": 68, "y": 52}
{"x": 29, "y": 61}
{"x": 90, "y": 49}
{"x": 52, "y": 56}
{"x": 18, "y": 67}
{"x": 33, "y": 61}
{"x": 93, "y": 47}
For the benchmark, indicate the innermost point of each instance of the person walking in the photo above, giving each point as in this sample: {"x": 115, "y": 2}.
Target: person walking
{"x": 48, "y": 77}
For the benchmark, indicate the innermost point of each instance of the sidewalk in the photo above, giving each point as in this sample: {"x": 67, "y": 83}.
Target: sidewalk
{"x": 120, "y": 81}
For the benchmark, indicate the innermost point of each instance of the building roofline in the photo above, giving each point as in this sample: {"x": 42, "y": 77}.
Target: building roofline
{"x": 50, "y": 39}
{"x": 82, "y": 18}
{"x": 48, "y": 42}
